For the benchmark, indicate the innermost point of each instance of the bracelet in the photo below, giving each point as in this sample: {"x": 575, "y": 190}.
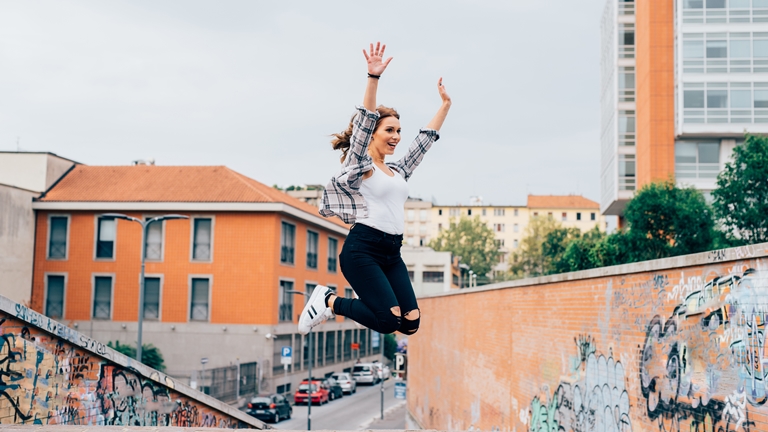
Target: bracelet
{"x": 374, "y": 76}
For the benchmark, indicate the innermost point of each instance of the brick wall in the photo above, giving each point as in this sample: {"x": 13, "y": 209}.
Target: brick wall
{"x": 50, "y": 374}
{"x": 674, "y": 344}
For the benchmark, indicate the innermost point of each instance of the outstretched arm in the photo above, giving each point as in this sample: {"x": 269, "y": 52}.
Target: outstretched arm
{"x": 437, "y": 121}
{"x": 376, "y": 66}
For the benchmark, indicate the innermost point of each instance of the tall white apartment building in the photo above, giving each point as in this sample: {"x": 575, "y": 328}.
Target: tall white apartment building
{"x": 682, "y": 81}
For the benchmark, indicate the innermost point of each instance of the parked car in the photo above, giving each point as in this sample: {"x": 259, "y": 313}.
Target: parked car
{"x": 334, "y": 389}
{"x": 366, "y": 373}
{"x": 319, "y": 394}
{"x": 348, "y": 385}
{"x": 386, "y": 373}
{"x": 270, "y": 407}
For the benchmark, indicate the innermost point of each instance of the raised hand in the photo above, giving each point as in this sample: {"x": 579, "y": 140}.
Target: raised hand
{"x": 443, "y": 94}
{"x": 375, "y": 58}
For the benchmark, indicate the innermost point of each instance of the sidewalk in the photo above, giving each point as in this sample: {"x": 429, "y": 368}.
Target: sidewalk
{"x": 394, "y": 418}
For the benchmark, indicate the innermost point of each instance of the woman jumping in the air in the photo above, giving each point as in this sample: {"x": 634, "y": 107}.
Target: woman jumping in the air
{"x": 371, "y": 195}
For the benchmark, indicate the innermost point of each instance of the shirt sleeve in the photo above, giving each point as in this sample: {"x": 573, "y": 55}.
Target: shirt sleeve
{"x": 424, "y": 140}
{"x": 358, "y": 161}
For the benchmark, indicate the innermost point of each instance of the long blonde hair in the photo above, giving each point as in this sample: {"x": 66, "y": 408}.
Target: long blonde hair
{"x": 340, "y": 140}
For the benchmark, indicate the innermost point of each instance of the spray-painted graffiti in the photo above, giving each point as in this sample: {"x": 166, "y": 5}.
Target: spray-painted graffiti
{"x": 596, "y": 401}
{"x": 48, "y": 380}
{"x": 707, "y": 361}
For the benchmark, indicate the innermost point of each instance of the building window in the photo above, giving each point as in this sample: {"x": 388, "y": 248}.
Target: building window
{"x": 592, "y": 216}
{"x": 410, "y": 214}
{"x": 498, "y": 227}
{"x": 308, "y": 287}
{"x": 626, "y": 40}
{"x": 312, "y": 240}
{"x": 469, "y": 212}
{"x": 564, "y": 217}
{"x": 626, "y": 83}
{"x": 102, "y": 297}
{"x": 153, "y": 245}
{"x": 201, "y": 239}
{"x": 199, "y": 299}
{"x": 287, "y": 243}
{"x": 626, "y": 128}
{"x": 432, "y": 276}
{"x": 422, "y": 241}
{"x": 514, "y": 244}
{"x": 697, "y": 160}
{"x": 57, "y": 239}
{"x": 483, "y": 212}
{"x": 410, "y": 275}
{"x": 333, "y": 254}
{"x": 535, "y": 214}
{"x": 152, "y": 298}
{"x": 499, "y": 242}
{"x": 423, "y": 215}
{"x": 440, "y": 212}
{"x": 517, "y": 212}
{"x": 439, "y": 227}
{"x": 515, "y": 227}
{"x": 105, "y": 237}
{"x": 627, "y": 172}
{"x": 549, "y": 215}
{"x": 286, "y": 301}
{"x": 454, "y": 212}
{"x": 54, "y": 296}
{"x": 578, "y": 216}
{"x": 498, "y": 212}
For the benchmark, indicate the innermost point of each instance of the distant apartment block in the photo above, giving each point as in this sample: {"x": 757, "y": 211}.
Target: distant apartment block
{"x": 681, "y": 82}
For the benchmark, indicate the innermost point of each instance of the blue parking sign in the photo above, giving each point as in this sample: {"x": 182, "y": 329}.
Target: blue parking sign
{"x": 399, "y": 390}
{"x": 286, "y": 352}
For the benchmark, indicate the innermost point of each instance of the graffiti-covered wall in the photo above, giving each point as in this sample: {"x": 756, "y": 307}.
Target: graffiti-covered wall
{"x": 674, "y": 345}
{"x": 53, "y": 375}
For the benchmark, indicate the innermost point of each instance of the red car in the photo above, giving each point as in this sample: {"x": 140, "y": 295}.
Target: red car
{"x": 319, "y": 393}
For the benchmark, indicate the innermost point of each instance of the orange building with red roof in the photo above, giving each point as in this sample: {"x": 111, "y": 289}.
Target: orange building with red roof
{"x": 215, "y": 283}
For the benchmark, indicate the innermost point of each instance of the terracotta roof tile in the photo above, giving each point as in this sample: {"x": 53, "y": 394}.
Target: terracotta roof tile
{"x": 150, "y": 183}
{"x": 560, "y": 201}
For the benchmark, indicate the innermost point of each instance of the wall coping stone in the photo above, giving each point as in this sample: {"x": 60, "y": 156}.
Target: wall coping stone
{"x": 759, "y": 250}
{"x": 73, "y": 428}
{"x": 42, "y": 322}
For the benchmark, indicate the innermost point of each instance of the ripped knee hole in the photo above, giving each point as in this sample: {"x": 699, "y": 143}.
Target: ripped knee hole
{"x": 412, "y": 315}
{"x": 395, "y": 311}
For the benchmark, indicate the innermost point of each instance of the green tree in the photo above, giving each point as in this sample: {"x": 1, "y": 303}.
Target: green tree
{"x": 665, "y": 220}
{"x": 530, "y": 259}
{"x": 472, "y": 240}
{"x": 582, "y": 253}
{"x": 554, "y": 247}
{"x": 741, "y": 198}
{"x": 390, "y": 346}
{"x": 151, "y": 355}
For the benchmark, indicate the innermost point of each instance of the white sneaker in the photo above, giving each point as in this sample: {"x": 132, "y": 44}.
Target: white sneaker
{"x": 315, "y": 311}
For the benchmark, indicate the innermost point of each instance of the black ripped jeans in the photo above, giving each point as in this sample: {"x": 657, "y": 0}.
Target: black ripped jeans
{"x": 370, "y": 261}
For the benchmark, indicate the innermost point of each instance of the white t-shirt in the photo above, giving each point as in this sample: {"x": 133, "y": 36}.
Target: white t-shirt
{"x": 385, "y": 197}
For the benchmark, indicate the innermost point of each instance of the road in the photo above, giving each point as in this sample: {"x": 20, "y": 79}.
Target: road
{"x": 347, "y": 413}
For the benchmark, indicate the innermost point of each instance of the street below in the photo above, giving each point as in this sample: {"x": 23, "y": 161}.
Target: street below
{"x": 348, "y": 413}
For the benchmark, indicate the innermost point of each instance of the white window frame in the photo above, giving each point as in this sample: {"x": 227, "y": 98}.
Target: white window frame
{"x": 64, "y": 294}
{"x": 328, "y": 252}
{"x": 280, "y": 280}
{"x": 162, "y": 239}
{"x": 192, "y": 219}
{"x": 317, "y": 252}
{"x": 160, "y": 299}
{"x": 111, "y": 294}
{"x": 96, "y": 218}
{"x": 48, "y": 238}
{"x": 189, "y": 296}
{"x": 295, "y": 231}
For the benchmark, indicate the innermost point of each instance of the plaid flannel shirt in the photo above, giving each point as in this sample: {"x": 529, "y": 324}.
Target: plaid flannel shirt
{"x": 342, "y": 195}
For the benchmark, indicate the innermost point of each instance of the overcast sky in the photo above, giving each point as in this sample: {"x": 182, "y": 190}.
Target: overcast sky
{"x": 258, "y": 86}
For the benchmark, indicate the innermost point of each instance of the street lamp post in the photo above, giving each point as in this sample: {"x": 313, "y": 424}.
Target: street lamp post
{"x": 144, "y": 225}
{"x": 311, "y": 357}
